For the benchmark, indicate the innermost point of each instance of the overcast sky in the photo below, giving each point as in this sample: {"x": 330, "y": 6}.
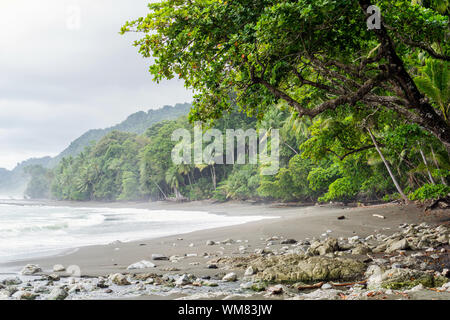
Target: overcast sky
{"x": 64, "y": 69}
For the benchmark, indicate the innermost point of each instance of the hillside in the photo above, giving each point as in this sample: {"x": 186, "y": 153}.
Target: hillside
{"x": 14, "y": 182}
{"x": 136, "y": 123}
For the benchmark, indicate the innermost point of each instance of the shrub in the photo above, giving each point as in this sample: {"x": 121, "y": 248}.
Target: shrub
{"x": 429, "y": 191}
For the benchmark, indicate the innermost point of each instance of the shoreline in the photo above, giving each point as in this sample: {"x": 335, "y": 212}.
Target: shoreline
{"x": 191, "y": 255}
{"x": 311, "y": 222}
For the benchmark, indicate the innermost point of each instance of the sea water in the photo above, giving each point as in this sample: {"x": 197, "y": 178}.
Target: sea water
{"x": 30, "y": 231}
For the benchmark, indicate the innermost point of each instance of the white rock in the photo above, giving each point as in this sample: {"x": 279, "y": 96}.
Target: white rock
{"x": 250, "y": 271}
{"x": 30, "y": 269}
{"x": 58, "y": 268}
{"x": 183, "y": 280}
{"x": 230, "y": 277}
{"x": 57, "y": 294}
{"x": 119, "y": 279}
{"x": 326, "y": 286}
{"x": 141, "y": 265}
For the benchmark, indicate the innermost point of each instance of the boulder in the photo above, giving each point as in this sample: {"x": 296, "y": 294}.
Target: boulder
{"x": 300, "y": 268}
{"x": 144, "y": 264}
{"x": 397, "y": 245}
{"x": 183, "y": 280}
{"x": 230, "y": 277}
{"x": 361, "y": 249}
{"x": 249, "y": 271}
{"x": 119, "y": 279}
{"x": 58, "y": 268}
{"x": 328, "y": 246}
{"x": 24, "y": 295}
{"x": 58, "y": 294}
{"x": 11, "y": 281}
{"x": 30, "y": 269}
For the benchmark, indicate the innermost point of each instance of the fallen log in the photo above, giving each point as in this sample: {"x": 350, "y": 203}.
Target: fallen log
{"x": 347, "y": 283}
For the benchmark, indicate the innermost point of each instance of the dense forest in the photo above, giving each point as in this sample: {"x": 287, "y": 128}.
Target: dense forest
{"x": 363, "y": 112}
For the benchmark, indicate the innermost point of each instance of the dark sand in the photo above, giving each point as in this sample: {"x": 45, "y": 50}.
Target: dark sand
{"x": 293, "y": 222}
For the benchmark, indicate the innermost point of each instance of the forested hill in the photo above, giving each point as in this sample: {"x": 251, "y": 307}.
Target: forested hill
{"x": 14, "y": 182}
{"x": 136, "y": 123}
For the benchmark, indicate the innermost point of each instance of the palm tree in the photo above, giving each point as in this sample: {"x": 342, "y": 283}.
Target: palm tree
{"x": 173, "y": 181}
{"x": 388, "y": 167}
{"x": 435, "y": 84}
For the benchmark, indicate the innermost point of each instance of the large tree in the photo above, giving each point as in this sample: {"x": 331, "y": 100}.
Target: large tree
{"x": 317, "y": 55}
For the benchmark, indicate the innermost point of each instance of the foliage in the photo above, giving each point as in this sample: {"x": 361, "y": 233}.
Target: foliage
{"x": 430, "y": 191}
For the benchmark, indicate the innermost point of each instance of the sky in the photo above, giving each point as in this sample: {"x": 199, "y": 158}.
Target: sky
{"x": 64, "y": 69}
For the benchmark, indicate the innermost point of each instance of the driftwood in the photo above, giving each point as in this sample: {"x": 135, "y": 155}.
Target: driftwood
{"x": 347, "y": 284}
{"x": 313, "y": 286}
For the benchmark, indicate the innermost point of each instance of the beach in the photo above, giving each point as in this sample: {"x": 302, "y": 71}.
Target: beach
{"x": 197, "y": 249}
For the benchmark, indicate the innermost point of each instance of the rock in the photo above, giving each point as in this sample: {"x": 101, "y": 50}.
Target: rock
{"x": 379, "y": 216}
{"x": 278, "y": 289}
{"x": 288, "y": 241}
{"x": 119, "y": 279}
{"x": 141, "y": 265}
{"x": 183, "y": 280}
{"x": 58, "y": 268}
{"x": 157, "y": 256}
{"x": 361, "y": 249}
{"x": 328, "y": 246}
{"x": 212, "y": 266}
{"x": 249, "y": 271}
{"x": 402, "y": 278}
{"x": 230, "y": 277}
{"x": 300, "y": 268}
{"x": 210, "y": 243}
{"x": 326, "y": 286}
{"x": 24, "y": 295}
{"x": 101, "y": 284}
{"x": 57, "y": 294}
{"x": 30, "y": 269}
{"x": 53, "y": 277}
{"x": 228, "y": 241}
{"x": 11, "y": 281}
{"x": 397, "y": 245}
{"x": 341, "y": 217}
{"x": 329, "y": 294}
{"x": 354, "y": 240}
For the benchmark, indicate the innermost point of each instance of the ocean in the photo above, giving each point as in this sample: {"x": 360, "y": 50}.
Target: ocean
{"x": 30, "y": 231}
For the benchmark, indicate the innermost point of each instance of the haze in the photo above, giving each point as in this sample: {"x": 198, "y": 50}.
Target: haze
{"x": 65, "y": 69}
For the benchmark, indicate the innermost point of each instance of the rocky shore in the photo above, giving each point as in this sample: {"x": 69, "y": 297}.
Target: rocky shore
{"x": 411, "y": 263}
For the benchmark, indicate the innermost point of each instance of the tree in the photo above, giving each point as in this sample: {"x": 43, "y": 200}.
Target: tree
{"x": 315, "y": 55}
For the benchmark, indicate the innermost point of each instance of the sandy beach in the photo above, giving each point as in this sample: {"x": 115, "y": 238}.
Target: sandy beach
{"x": 197, "y": 249}
{"x": 289, "y": 222}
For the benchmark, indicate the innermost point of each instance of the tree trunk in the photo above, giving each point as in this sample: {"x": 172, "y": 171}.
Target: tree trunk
{"x": 397, "y": 185}
{"x": 428, "y": 118}
{"x": 437, "y": 165}
{"x": 165, "y": 197}
{"x": 425, "y": 162}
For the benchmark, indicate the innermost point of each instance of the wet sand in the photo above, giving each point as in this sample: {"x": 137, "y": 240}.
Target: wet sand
{"x": 291, "y": 222}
